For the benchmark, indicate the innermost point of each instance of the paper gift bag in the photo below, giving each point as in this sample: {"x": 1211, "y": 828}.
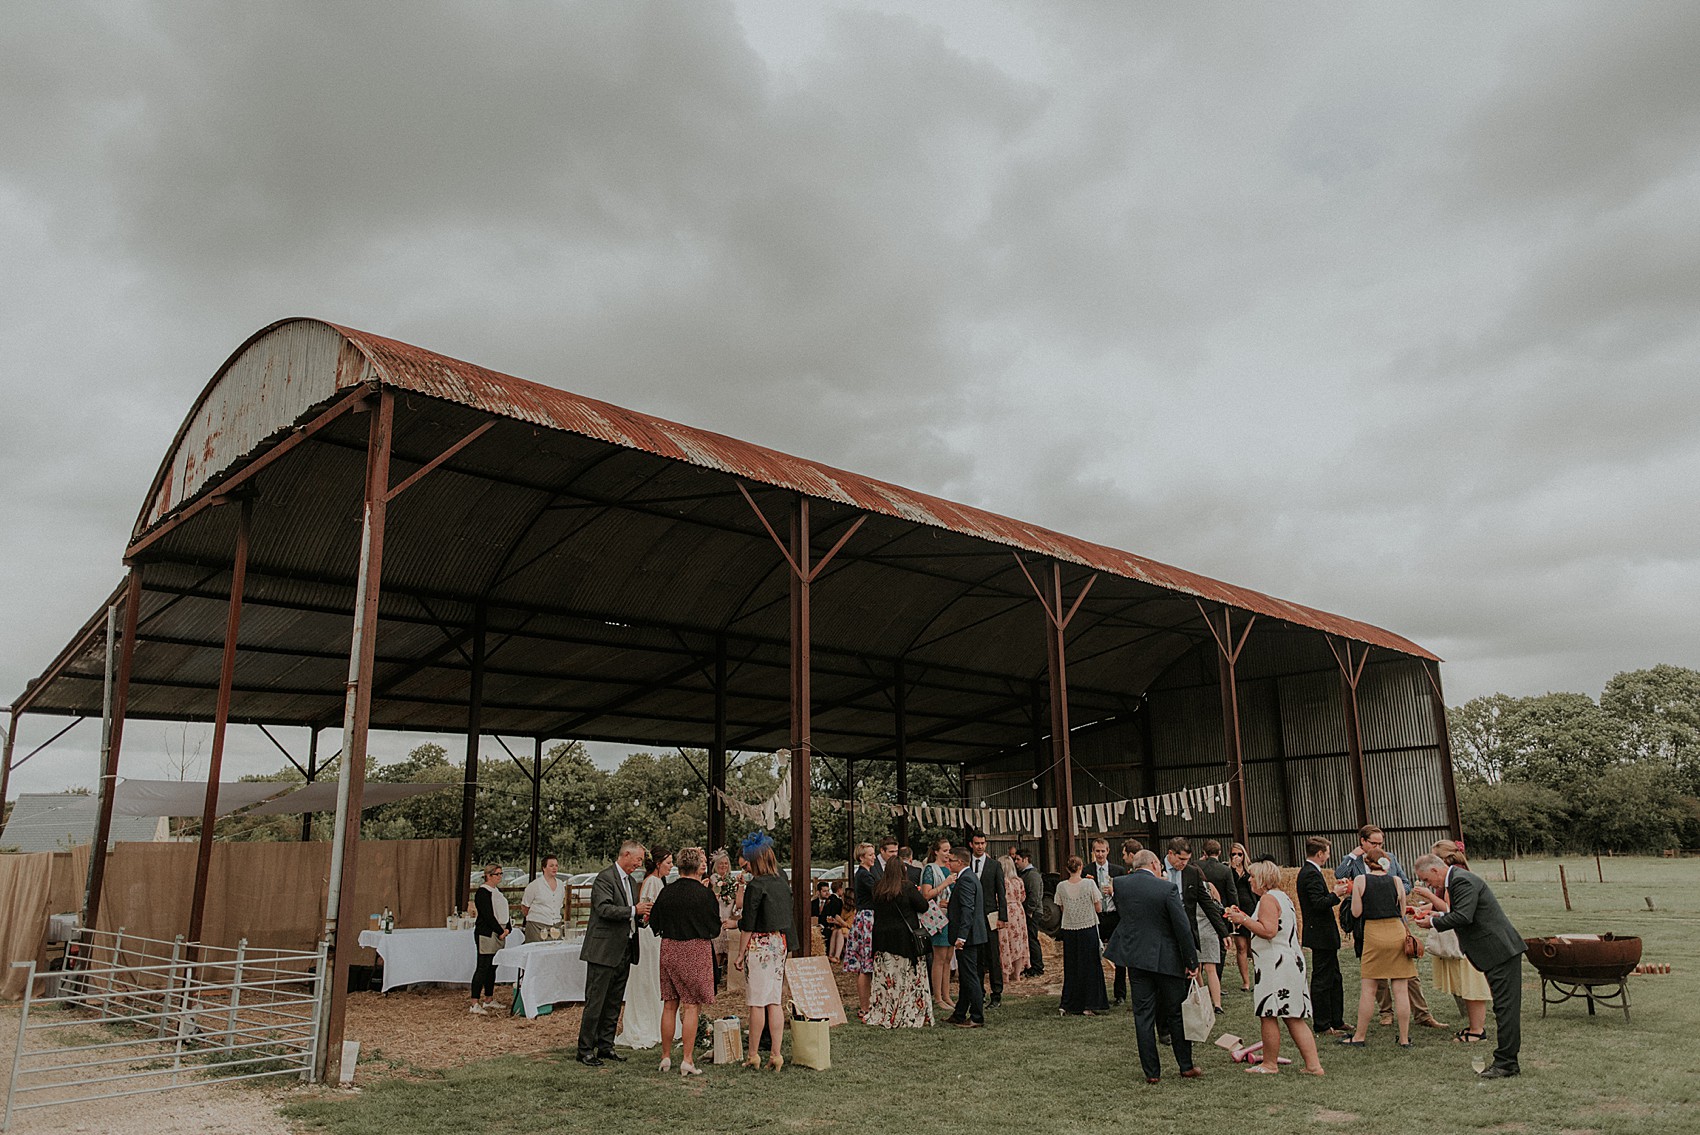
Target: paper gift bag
{"x": 811, "y": 1043}
{"x": 736, "y": 982}
{"x": 728, "y": 1041}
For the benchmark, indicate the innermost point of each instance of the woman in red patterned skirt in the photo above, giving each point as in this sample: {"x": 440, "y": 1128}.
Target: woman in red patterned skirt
{"x": 686, "y": 917}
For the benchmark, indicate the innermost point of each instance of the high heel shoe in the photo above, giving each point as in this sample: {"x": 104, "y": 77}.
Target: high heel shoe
{"x": 666, "y": 1064}
{"x": 776, "y": 1064}
{"x": 686, "y": 1068}
{"x": 752, "y": 1064}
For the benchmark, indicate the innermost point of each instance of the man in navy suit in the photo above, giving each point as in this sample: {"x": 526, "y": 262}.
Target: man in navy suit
{"x": 967, "y": 932}
{"x": 1154, "y": 941}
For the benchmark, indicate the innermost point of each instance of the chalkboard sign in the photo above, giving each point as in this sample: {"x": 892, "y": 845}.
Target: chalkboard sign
{"x": 814, "y": 989}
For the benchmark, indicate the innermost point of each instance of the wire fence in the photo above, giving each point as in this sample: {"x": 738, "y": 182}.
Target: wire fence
{"x": 130, "y": 1016}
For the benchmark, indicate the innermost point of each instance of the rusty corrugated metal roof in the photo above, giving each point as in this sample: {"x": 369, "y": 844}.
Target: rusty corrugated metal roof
{"x": 407, "y": 367}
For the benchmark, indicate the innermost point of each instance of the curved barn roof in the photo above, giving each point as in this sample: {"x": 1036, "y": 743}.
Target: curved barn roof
{"x": 605, "y": 550}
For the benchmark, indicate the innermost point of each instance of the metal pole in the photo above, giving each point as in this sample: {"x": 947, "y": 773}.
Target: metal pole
{"x": 1355, "y": 744}
{"x": 221, "y": 721}
{"x": 850, "y": 811}
{"x": 1057, "y": 665}
{"x": 6, "y": 759}
{"x": 235, "y": 995}
{"x": 23, "y": 1030}
{"x": 357, "y": 712}
{"x": 312, "y": 771}
{"x": 900, "y": 724}
{"x": 1046, "y": 848}
{"x": 1231, "y": 738}
{"x": 469, "y": 786}
{"x": 114, "y": 747}
{"x": 717, "y": 752}
{"x": 1443, "y": 739}
{"x": 800, "y": 721}
{"x": 536, "y": 799}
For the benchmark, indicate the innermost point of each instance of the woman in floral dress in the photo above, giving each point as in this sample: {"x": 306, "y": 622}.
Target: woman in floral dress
{"x": 1280, "y": 991}
{"x": 859, "y": 952}
{"x": 1012, "y": 935}
{"x": 902, "y": 997}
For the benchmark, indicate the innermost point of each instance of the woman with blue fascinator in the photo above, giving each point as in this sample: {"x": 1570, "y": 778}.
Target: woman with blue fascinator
{"x": 769, "y": 937}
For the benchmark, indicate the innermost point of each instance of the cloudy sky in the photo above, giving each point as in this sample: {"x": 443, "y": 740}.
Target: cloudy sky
{"x": 1388, "y": 309}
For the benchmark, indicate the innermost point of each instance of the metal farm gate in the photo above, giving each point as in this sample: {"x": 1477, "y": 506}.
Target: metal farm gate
{"x": 139, "y": 1015}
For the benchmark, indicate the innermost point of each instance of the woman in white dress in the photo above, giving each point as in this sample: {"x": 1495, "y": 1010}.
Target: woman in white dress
{"x": 1280, "y": 990}
{"x": 640, "y": 1024}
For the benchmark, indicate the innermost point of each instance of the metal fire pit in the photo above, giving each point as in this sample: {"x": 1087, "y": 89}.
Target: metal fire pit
{"x": 1592, "y": 966}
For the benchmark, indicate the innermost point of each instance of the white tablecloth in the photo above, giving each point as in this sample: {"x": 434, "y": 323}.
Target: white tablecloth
{"x": 433, "y": 953}
{"x": 548, "y": 972}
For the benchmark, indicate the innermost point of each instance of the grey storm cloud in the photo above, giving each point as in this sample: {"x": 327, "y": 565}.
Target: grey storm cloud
{"x": 1387, "y": 310}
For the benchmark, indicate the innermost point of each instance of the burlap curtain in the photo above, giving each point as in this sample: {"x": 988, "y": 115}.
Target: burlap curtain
{"x": 25, "y": 883}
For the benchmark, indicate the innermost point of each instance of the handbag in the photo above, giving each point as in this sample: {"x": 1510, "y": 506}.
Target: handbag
{"x": 1444, "y": 944}
{"x": 923, "y": 941}
{"x": 1413, "y": 945}
{"x": 1197, "y": 1015}
{"x": 728, "y": 1041}
{"x": 934, "y": 920}
{"x": 489, "y": 943}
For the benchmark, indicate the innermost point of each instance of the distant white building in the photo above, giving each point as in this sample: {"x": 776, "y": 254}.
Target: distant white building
{"x": 59, "y": 821}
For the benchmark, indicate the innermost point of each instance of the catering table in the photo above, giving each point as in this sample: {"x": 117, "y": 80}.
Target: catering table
{"x": 433, "y": 953}
{"x": 548, "y": 972}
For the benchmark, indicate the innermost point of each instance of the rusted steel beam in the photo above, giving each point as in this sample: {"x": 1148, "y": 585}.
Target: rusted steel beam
{"x": 1443, "y": 738}
{"x": 536, "y": 800}
{"x": 1228, "y": 651}
{"x": 114, "y": 747}
{"x": 413, "y": 478}
{"x": 220, "y": 493}
{"x": 1351, "y": 658}
{"x": 717, "y": 752}
{"x": 221, "y": 722}
{"x": 342, "y": 925}
{"x": 312, "y": 773}
{"x": 1056, "y": 668}
{"x": 23, "y": 760}
{"x": 802, "y": 575}
{"x": 474, "y": 733}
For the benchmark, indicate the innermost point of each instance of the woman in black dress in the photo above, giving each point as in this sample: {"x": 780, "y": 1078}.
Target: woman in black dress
{"x": 1246, "y": 899}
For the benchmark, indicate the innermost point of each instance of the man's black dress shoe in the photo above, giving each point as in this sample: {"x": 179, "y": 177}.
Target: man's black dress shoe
{"x": 1497, "y": 1073}
{"x": 612, "y": 1055}
{"x": 995, "y": 1003}
{"x": 590, "y": 1061}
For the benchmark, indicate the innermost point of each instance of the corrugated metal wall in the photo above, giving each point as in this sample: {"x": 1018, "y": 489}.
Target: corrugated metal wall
{"x": 1293, "y": 739}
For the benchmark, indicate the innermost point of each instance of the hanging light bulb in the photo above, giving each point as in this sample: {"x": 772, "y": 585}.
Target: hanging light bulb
{"x": 1035, "y": 786}
{"x": 982, "y": 803}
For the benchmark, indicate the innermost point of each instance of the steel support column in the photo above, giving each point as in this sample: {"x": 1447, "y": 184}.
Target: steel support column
{"x": 312, "y": 774}
{"x": 536, "y": 799}
{"x": 221, "y": 722}
{"x": 114, "y": 746}
{"x": 342, "y": 921}
{"x": 6, "y": 758}
{"x": 1228, "y": 650}
{"x": 801, "y": 722}
{"x": 1056, "y": 667}
{"x": 804, "y": 571}
{"x": 1351, "y": 657}
{"x": 1443, "y": 740}
{"x": 717, "y": 752}
{"x": 474, "y": 730}
{"x": 850, "y": 812}
{"x": 1046, "y": 848}
{"x": 900, "y": 727}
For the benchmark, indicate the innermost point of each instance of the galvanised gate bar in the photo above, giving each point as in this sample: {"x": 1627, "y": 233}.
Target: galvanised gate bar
{"x": 352, "y": 532}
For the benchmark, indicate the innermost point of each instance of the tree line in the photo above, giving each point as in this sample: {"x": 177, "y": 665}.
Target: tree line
{"x": 1563, "y": 772}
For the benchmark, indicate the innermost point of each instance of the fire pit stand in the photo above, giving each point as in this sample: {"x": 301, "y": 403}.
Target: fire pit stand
{"x": 1595, "y": 967}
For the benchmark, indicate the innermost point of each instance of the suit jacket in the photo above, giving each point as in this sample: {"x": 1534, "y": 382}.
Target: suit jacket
{"x": 1216, "y": 873}
{"x": 915, "y": 873}
{"x": 1485, "y": 934}
{"x": 1193, "y": 895}
{"x": 1035, "y": 884}
{"x": 1316, "y": 904}
{"x": 994, "y": 898}
{"x": 1090, "y": 873}
{"x": 967, "y": 911}
{"x": 1153, "y": 933}
{"x": 610, "y": 936}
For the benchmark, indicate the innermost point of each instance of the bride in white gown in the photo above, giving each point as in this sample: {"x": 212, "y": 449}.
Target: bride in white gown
{"x": 640, "y": 1023}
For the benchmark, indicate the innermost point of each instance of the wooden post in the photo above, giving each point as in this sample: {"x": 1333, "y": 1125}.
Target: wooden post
{"x": 1599, "y": 870}
{"x": 1564, "y": 885}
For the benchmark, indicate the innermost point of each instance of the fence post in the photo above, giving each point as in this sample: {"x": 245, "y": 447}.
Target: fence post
{"x": 112, "y": 966}
{"x": 1564, "y": 885}
{"x": 18, "y": 1053}
{"x": 317, "y": 1038}
{"x": 170, "y": 988}
{"x": 235, "y": 995}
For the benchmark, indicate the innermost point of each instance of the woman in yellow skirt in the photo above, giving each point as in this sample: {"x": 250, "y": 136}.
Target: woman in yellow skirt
{"x": 1453, "y": 972}
{"x": 1378, "y": 902}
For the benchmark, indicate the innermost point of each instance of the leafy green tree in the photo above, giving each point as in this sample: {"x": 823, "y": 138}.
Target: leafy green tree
{"x": 1632, "y": 807}
{"x": 1478, "y": 731}
{"x": 1562, "y": 741}
{"x": 1658, "y": 712}
{"x": 1511, "y": 817}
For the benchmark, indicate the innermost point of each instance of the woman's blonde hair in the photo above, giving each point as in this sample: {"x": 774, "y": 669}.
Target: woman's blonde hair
{"x": 1450, "y": 853}
{"x": 1265, "y": 874}
{"x": 861, "y": 850}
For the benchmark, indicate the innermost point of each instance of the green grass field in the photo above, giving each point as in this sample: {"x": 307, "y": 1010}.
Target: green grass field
{"x": 1030, "y": 1070}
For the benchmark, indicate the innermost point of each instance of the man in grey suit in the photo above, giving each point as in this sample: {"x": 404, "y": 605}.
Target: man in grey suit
{"x": 609, "y": 950}
{"x": 967, "y": 932}
{"x": 1490, "y": 943}
{"x": 1034, "y": 904}
{"x": 1154, "y": 941}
